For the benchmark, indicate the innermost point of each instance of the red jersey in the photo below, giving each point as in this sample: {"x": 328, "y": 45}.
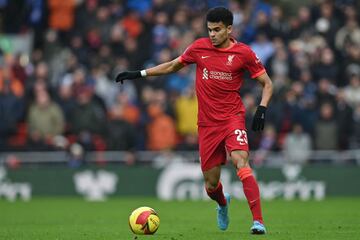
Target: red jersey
{"x": 219, "y": 76}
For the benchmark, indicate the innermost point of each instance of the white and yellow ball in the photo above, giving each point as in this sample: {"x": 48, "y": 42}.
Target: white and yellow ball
{"x": 144, "y": 221}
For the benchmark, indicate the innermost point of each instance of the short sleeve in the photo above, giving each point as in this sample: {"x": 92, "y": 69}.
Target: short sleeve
{"x": 188, "y": 56}
{"x": 253, "y": 64}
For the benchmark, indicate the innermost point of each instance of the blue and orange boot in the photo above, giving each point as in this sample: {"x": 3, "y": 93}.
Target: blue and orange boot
{"x": 258, "y": 228}
{"x": 222, "y": 214}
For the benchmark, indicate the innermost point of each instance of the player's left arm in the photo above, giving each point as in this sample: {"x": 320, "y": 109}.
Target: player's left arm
{"x": 259, "y": 117}
{"x": 267, "y": 90}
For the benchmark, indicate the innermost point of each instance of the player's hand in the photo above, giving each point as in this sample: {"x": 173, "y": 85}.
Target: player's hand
{"x": 259, "y": 119}
{"x": 127, "y": 75}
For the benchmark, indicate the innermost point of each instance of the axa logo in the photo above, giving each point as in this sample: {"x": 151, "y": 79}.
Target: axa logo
{"x": 95, "y": 186}
{"x": 230, "y": 60}
{"x": 205, "y": 74}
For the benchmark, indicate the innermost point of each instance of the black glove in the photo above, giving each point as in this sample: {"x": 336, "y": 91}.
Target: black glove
{"x": 127, "y": 75}
{"x": 259, "y": 119}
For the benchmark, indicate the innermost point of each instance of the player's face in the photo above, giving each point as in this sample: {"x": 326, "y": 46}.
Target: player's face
{"x": 219, "y": 33}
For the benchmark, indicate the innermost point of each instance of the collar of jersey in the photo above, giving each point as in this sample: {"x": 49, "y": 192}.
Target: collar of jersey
{"x": 232, "y": 44}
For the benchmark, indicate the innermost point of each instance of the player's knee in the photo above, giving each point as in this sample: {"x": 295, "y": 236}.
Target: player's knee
{"x": 242, "y": 164}
{"x": 240, "y": 160}
{"x": 211, "y": 184}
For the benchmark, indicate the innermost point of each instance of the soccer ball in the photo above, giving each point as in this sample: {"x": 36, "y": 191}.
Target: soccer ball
{"x": 144, "y": 221}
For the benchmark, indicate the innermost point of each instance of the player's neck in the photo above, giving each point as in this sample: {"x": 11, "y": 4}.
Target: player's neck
{"x": 226, "y": 44}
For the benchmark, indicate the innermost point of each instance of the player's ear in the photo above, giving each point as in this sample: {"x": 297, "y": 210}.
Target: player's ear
{"x": 229, "y": 29}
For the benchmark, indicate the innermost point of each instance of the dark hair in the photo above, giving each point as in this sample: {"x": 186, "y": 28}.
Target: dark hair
{"x": 220, "y": 14}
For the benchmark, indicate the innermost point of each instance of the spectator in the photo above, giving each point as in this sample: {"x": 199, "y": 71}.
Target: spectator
{"x": 11, "y": 24}
{"x": 139, "y": 5}
{"x": 350, "y": 32}
{"x": 45, "y": 121}
{"x": 344, "y": 118}
{"x": 66, "y": 100}
{"x": 328, "y": 22}
{"x": 188, "y": 143}
{"x": 160, "y": 31}
{"x": 287, "y": 111}
{"x": 297, "y": 146}
{"x": 87, "y": 119}
{"x": 76, "y": 156}
{"x": 355, "y": 136}
{"x": 103, "y": 23}
{"x": 104, "y": 87}
{"x": 352, "y": 91}
{"x": 79, "y": 49}
{"x": 116, "y": 40}
{"x": 326, "y": 129}
{"x": 61, "y": 16}
{"x": 179, "y": 22}
{"x": 250, "y": 106}
{"x": 40, "y": 76}
{"x": 8, "y": 80}
{"x": 186, "y": 112}
{"x": 327, "y": 68}
{"x": 279, "y": 63}
{"x": 161, "y": 131}
{"x": 18, "y": 69}
{"x": 179, "y": 81}
{"x": 132, "y": 24}
{"x": 326, "y": 92}
{"x": 129, "y": 111}
{"x": 305, "y": 24}
{"x": 263, "y": 48}
{"x": 11, "y": 112}
{"x": 121, "y": 134}
{"x": 263, "y": 26}
{"x": 278, "y": 24}
{"x": 267, "y": 144}
{"x": 310, "y": 88}
{"x": 133, "y": 53}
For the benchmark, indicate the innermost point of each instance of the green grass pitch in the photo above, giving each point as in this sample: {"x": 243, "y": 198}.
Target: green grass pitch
{"x": 73, "y": 218}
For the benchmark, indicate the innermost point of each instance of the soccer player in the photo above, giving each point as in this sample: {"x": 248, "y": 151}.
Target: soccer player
{"x": 221, "y": 62}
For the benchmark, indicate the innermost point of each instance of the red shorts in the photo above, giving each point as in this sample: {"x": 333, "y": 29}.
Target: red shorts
{"x": 216, "y": 141}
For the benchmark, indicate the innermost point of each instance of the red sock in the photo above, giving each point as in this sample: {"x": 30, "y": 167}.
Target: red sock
{"x": 217, "y": 194}
{"x": 252, "y": 193}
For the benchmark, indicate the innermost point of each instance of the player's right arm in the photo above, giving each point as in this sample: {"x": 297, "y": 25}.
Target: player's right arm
{"x": 161, "y": 69}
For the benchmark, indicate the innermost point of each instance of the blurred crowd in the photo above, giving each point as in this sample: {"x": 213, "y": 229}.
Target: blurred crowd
{"x": 64, "y": 93}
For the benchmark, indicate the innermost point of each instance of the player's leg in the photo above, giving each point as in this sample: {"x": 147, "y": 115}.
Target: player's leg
{"x": 212, "y": 156}
{"x": 214, "y": 190}
{"x": 237, "y": 145}
{"x": 213, "y": 185}
{"x": 250, "y": 187}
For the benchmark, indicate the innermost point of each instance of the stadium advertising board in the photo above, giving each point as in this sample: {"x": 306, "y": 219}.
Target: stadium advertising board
{"x": 175, "y": 181}
{"x": 182, "y": 181}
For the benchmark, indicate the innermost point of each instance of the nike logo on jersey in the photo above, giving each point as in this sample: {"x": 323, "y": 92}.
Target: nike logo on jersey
{"x": 204, "y": 57}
